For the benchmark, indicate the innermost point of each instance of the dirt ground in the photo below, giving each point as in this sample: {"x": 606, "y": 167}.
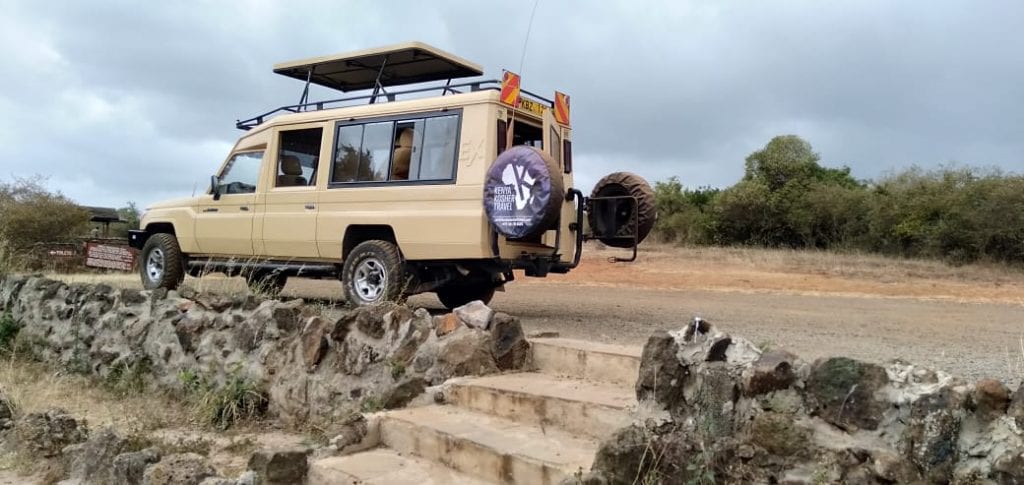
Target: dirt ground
{"x": 966, "y": 320}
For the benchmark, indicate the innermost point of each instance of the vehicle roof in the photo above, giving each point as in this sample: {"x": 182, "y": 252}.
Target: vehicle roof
{"x": 406, "y": 63}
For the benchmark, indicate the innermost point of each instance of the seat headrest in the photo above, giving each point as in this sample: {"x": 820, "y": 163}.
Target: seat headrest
{"x": 405, "y": 138}
{"x": 290, "y": 165}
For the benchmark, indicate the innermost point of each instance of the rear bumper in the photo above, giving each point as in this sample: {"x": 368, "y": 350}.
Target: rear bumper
{"x": 137, "y": 238}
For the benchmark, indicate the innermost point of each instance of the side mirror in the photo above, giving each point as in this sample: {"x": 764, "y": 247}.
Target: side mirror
{"x": 214, "y": 187}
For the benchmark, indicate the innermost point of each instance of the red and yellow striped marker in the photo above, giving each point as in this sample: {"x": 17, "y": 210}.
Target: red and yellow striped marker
{"x": 510, "y": 88}
{"x": 562, "y": 108}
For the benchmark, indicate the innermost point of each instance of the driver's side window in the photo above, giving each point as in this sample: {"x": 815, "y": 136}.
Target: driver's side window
{"x": 241, "y": 173}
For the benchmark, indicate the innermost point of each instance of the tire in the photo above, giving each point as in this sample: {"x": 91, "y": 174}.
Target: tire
{"x": 523, "y": 193}
{"x": 266, "y": 282}
{"x": 454, "y": 296}
{"x": 161, "y": 265}
{"x": 613, "y": 221}
{"x": 373, "y": 273}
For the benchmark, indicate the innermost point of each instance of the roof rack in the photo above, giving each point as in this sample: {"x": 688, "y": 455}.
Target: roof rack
{"x": 377, "y": 69}
{"x": 302, "y": 106}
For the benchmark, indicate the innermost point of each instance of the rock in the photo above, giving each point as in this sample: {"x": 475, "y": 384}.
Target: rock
{"x": 446, "y": 324}
{"x": 843, "y": 392}
{"x": 128, "y": 468}
{"x": 662, "y": 375}
{"x": 462, "y": 353}
{"x": 623, "y": 458}
{"x": 894, "y": 468}
{"x": 510, "y": 348}
{"x": 314, "y": 341}
{"x": 351, "y": 432}
{"x": 1016, "y": 407}
{"x": 475, "y": 314}
{"x": 773, "y": 371}
{"x": 280, "y": 467}
{"x": 46, "y": 434}
{"x": 178, "y": 469}
{"x": 991, "y": 399}
{"x": 778, "y": 434}
{"x": 1009, "y": 468}
{"x": 92, "y": 460}
{"x": 400, "y": 395}
{"x": 6, "y": 412}
{"x": 932, "y": 430}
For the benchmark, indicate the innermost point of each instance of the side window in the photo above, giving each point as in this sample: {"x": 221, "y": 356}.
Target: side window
{"x": 363, "y": 153}
{"x": 241, "y": 173}
{"x": 298, "y": 157}
{"x": 396, "y": 151}
{"x": 439, "y": 148}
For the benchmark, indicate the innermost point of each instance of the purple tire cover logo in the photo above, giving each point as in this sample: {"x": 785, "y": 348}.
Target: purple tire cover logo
{"x": 517, "y": 192}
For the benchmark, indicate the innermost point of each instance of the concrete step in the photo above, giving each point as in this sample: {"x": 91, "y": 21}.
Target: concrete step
{"x": 382, "y": 466}
{"x": 587, "y": 408}
{"x": 485, "y": 446}
{"x": 613, "y": 364}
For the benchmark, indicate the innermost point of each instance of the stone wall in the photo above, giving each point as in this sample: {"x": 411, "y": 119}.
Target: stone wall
{"x": 311, "y": 367}
{"x": 719, "y": 410}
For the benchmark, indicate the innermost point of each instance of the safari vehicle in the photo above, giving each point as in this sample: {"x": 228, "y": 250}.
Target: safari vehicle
{"x": 442, "y": 188}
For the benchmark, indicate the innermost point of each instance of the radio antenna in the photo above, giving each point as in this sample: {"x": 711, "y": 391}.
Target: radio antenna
{"x": 522, "y": 62}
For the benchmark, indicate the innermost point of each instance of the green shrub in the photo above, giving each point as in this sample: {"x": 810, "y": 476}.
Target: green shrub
{"x": 9, "y": 328}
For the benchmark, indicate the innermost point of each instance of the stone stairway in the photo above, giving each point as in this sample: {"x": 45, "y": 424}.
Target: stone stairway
{"x": 525, "y": 428}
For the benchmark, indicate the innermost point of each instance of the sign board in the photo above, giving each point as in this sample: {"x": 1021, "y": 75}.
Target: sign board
{"x": 509, "y": 88}
{"x": 109, "y": 256}
{"x": 562, "y": 108}
{"x": 531, "y": 106}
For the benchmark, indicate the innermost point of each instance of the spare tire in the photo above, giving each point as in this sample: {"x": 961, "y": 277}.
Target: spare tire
{"x": 523, "y": 192}
{"x": 612, "y": 221}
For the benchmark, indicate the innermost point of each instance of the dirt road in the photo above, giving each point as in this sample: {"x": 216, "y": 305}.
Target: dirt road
{"x": 970, "y": 339}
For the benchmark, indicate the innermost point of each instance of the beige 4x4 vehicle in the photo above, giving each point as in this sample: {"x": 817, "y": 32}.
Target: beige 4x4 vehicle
{"x": 446, "y": 193}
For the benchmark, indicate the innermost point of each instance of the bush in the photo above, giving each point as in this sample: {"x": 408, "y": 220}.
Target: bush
{"x": 222, "y": 404}
{"x": 787, "y": 199}
{"x": 30, "y": 214}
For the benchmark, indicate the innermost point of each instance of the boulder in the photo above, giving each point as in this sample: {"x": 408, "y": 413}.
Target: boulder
{"x": 662, "y": 375}
{"x": 403, "y": 392}
{"x": 475, "y": 314}
{"x": 92, "y": 461}
{"x": 508, "y": 343}
{"x": 991, "y": 399}
{"x": 1016, "y": 406}
{"x": 314, "y": 341}
{"x": 280, "y": 466}
{"x": 46, "y": 434}
{"x": 128, "y": 468}
{"x": 462, "y": 353}
{"x": 446, "y": 324}
{"x": 844, "y": 392}
{"x": 179, "y": 469}
{"x": 773, "y": 371}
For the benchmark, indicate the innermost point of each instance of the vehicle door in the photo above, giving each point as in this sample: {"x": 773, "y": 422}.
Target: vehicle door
{"x": 224, "y": 219}
{"x": 288, "y": 228}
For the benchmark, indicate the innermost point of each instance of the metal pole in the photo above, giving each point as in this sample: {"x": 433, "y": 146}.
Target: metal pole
{"x": 376, "y": 84}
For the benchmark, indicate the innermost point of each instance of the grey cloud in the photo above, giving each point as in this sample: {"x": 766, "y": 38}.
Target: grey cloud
{"x": 136, "y": 100}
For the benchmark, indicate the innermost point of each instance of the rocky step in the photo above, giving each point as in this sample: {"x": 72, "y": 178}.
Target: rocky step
{"x": 613, "y": 364}
{"x": 485, "y": 446}
{"x": 382, "y": 466}
{"x": 588, "y": 408}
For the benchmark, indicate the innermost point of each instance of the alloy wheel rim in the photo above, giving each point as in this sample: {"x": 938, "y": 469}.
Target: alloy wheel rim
{"x": 370, "y": 279}
{"x": 155, "y": 264}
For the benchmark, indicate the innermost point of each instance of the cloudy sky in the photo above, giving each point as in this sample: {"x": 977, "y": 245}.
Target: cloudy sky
{"x": 134, "y": 100}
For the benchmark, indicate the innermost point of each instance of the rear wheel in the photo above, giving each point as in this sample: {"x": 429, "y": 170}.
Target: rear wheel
{"x": 266, "y": 282}
{"x": 162, "y": 264}
{"x": 454, "y": 296}
{"x": 373, "y": 273}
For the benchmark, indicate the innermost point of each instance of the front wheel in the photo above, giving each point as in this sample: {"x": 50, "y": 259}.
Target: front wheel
{"x": 373, "y": 273}
{"x": 162, "y": 264}
{"x": 454, "y": 296}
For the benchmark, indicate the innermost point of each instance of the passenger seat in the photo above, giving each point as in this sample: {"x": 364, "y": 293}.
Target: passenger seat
{"x": 402, "y": 156}
{"x": 291, "y": 173}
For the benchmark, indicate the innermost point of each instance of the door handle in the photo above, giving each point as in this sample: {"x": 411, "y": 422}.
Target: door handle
{"x": 310, "y": 206}
{"x": 210, "y": 209}
{"x": 244, "y": 208}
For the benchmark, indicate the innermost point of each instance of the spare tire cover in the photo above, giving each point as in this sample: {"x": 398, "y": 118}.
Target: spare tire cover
{"x": 523, "y": 192}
